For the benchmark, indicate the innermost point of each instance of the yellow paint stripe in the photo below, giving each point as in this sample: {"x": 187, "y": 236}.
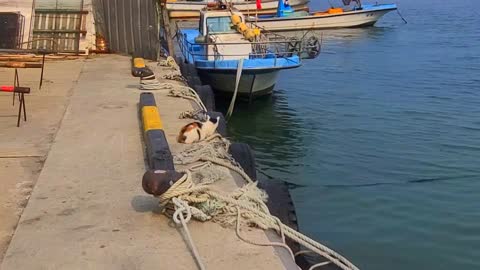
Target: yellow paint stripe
{"x": 138, "y": 62}
{"x": 151, "y": 118}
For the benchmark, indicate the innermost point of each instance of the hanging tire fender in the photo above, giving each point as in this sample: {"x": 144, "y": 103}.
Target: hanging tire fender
{"x": 191, "y": 70}
{"x": 207, "y": 96}
{"x": 243, "y": 154}
{"x": 193, "y": 80}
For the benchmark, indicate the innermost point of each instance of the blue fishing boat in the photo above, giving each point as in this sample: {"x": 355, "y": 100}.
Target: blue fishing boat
{"x": 223, "y": 44}
{"x": 353, "y": 14}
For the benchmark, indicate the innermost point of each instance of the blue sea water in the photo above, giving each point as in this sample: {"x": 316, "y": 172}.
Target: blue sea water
{"x": 380, "y": 136}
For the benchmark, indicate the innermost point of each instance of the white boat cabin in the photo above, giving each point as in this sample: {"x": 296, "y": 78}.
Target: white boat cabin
{"x": 227, "y": 42}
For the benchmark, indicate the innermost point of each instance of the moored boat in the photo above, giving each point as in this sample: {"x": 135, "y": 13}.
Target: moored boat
{"x": 191, "y": 9}
{"x": 288, "y": 19}
{"x": 223, "y": 44}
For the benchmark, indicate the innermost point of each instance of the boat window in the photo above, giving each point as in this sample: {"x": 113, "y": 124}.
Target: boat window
{"x": 218, "y": 25}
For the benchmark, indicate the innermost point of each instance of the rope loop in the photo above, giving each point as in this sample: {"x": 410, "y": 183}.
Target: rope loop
{"x": 181, "y": 208}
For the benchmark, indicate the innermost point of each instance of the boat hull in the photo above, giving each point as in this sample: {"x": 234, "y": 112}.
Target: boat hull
{"x": 186, "y": 9}
{"x": 252, "y": 83}
{"x": 342, "y": 20}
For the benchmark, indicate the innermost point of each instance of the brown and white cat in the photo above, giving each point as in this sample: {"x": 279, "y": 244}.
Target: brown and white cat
{"x": 198, "y": 131}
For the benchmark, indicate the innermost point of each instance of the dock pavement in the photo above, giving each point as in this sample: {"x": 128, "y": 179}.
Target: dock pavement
{"x": 87, "y": 209}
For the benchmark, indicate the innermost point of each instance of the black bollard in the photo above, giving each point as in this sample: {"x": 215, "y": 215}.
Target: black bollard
{"x": 157, "y": 182}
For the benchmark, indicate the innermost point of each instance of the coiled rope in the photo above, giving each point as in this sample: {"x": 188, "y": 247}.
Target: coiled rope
{"x": 169, "y": 62}
{"x": 154, "y": 84}
{"x": 255, "y": 213}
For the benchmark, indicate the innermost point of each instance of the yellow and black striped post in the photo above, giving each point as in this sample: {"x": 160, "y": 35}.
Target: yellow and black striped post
{"x": 158, "y": 152}
{"x": 138, "y": 62}
{"x": 161, "y": 175}
{"x": 140, "y": 69}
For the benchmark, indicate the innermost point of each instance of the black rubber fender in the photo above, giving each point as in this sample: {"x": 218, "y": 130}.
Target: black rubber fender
{"x": 191, "y": 70}
{"x": 207, "y": 96}
{"x": 243, "y": 154}
{"x": 193, "y": 80}
{"x": 222, "y": 125}
{"x": 281, "y": 205}
{"x": 179, "y": 61}
{"x": 183, "y": 68}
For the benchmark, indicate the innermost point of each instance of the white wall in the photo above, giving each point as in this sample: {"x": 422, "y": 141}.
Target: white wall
{"x": 25, "y": 8}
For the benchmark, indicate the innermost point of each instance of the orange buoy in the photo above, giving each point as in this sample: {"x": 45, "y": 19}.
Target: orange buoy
{"x": 335, "y": 10}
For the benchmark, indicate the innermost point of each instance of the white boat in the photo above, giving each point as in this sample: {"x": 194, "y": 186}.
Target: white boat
{"x": 364, "y": 15}
{"x": 222, "y": 43}
{"x": 191, "y": 9}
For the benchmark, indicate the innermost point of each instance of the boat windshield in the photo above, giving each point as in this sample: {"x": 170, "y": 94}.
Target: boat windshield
{"x": 218, "y": 25}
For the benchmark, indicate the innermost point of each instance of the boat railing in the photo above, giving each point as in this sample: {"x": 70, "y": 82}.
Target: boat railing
{"x": 274, "y": 49}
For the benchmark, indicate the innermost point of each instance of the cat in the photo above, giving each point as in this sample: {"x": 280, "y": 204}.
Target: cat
{"x": 198, "y": 131}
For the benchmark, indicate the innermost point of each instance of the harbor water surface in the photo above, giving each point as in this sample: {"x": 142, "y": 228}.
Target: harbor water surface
{"x": 380, "y": 139}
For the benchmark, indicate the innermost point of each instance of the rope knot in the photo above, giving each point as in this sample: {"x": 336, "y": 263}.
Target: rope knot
{"x": 181, "y": 208}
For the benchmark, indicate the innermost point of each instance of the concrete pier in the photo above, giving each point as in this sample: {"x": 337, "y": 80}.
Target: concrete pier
{"x": 87, "y": 209}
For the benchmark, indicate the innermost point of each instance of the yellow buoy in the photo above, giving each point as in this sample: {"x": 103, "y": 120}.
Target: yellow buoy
{"x": 249, "y": 34}
{"x": 236, "y": 19}
{"x": 241, "y": 27}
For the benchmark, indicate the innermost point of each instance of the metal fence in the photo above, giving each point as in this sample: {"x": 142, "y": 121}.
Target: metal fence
{"x": 58, "y": 25}
{"x": 129, "y": 26}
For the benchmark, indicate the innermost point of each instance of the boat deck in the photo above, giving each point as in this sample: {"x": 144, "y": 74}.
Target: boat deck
{"x": 229, "y": 61}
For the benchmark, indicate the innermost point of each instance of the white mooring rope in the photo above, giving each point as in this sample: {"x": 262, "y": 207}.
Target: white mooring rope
{"x": 181, "y": 207}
